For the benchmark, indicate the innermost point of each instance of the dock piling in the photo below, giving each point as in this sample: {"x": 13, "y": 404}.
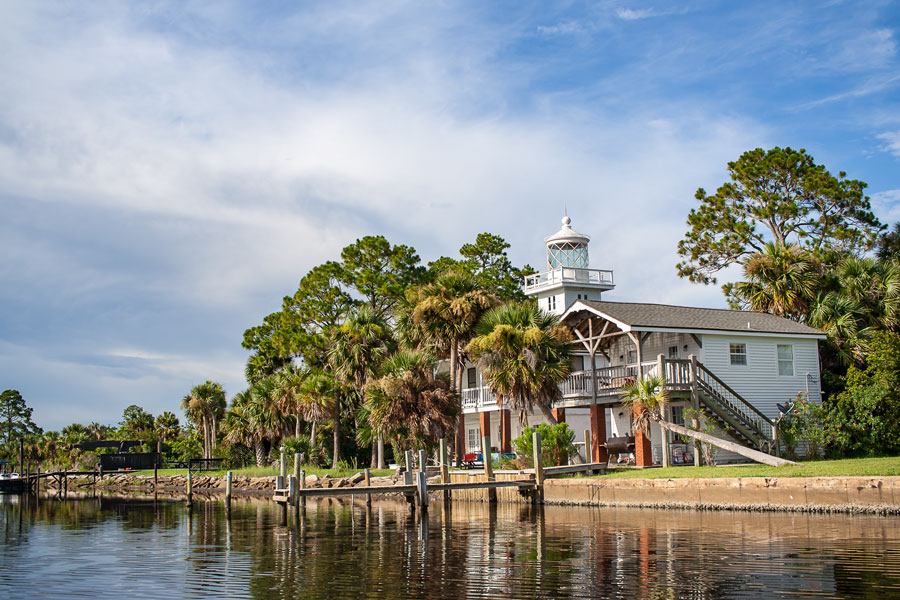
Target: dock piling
{"x": 538, "y": 469}
{"x": 422, "y": 491}
{"x": 445, "y": 469}
{"x": 228, "y": 486}
{"x": 190, "y": 487}
{"x": 486, "y": 458}
{"x": 368, "y": 481}
{"x": 407, "y": 476}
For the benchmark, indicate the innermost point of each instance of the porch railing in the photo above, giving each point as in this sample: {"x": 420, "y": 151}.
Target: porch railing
{"x": 569, "y": 275}
{"x": 477, "y": 397}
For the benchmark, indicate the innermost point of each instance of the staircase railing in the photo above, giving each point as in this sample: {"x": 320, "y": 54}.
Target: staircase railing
{"x": 759, "y": 427}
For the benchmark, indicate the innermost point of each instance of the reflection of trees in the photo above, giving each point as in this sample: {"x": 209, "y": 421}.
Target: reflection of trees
{"x": 341, "y": 549}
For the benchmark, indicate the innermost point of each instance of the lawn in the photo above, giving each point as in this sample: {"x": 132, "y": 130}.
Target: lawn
{"x": 271, "y": 472}
{"x": 818, "y": 468}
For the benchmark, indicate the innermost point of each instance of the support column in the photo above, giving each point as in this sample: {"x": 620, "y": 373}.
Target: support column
{"x": 598, "y": 435}
{"x": 643, "y": 453}
{"x": 485, "y": 420}
{"x": 505, "y": 431}
{"x": 460, "y": 440}
{"x": 559, "y": 414}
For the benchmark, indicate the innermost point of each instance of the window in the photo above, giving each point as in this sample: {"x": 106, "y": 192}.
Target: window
{"x": 673, "y": 351}
{"x": 678, "y": 415}
{"x": 785, "y": 360}
{"x": 738, "y": 353}
{"x": 475, "y": 439}
{"x": 471, "y": 378}
{"x": 551, "y": 302}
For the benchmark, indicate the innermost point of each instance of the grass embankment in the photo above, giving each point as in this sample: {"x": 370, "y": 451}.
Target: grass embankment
{"x": 850, "y": 467}
{"x": 271, "y": 472}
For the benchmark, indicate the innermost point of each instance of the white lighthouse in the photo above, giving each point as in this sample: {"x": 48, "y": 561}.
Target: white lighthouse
{"x": 568, "y": 276}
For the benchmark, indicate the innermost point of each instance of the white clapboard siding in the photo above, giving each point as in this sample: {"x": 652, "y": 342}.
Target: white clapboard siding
{"x": 758, "y": 382}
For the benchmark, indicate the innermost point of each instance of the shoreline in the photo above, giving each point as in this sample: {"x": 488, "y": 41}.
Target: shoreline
{"x": 823, "y": 495}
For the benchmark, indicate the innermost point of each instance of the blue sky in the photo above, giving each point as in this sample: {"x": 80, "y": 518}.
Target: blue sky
{"x": 169, "y": 171}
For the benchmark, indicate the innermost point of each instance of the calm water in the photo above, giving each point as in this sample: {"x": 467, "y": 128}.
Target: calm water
{"x": 119, "y": 548}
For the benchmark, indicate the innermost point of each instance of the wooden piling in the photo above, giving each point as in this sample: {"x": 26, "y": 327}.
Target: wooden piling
{"x": 283, "y": 466}
{"x": 407, "y": 476}
{"x": 445, "y": 467}
{"x": 297, "y": 466}
{"x": 368, "y": 481}
{"x": 228, "y": 486}
{"x": 422, "y": 491}
{"x": 422, "y": 460}
{"x": 190, "y": 487}
{"x": 588, "y": 458}
{"x": 302, "y": 484}
{"x": 292, "y": 489}
{"x": 538, "y": 469}
{"x": 486, "y": 458}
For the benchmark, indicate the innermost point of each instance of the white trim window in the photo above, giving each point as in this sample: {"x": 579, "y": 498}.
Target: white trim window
{"x": 474, "y": 440}
{"x": 785, "y": 360}
{"x": 738, "y": 354}
{"x": 551, "y": 302}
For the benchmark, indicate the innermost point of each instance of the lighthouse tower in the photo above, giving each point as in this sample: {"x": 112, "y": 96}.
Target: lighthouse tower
{"x": 568, "y": 276}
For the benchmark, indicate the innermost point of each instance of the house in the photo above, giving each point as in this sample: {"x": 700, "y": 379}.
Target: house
{"x": 735, "y": 366}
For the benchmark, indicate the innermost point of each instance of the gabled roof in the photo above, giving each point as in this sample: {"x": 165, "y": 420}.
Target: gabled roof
{"x": 641, "y": 316}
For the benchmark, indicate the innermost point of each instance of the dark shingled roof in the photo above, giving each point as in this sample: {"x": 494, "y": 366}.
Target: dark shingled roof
{"x": 639, "y": 315}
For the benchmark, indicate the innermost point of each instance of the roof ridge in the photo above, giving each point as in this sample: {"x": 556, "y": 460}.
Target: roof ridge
{"x": 733, "y": 310}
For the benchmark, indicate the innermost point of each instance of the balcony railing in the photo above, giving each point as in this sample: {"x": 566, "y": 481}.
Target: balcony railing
{"x": 477, "y": 397}
{"x": 592, "y": 277}
{"x": 610, "y": 380}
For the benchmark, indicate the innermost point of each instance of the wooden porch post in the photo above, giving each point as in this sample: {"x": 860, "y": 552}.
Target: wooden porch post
{"x": 695, "y": 404}
{"x": 598, "y": 434}
{"x": 661, "y": 371}
{"x": 643, "y": 452}
{"x": 505, "y": 431}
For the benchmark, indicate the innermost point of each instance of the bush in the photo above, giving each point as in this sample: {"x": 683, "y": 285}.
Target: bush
{"x": 557, "y": 444}
{"x": 806, "y": 424}
{"x": 705, "y": 424}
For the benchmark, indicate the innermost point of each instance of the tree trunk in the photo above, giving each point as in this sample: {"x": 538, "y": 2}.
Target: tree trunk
{"x": 297, "y": 426}
{"x": 755, "y": 455}
{"x": 336, "y": 447}
{"x": 380, "y": 452}
{"x": 374, "y": 460}
{"x": 312, "y": 437}
{"x": 260, "y": 453}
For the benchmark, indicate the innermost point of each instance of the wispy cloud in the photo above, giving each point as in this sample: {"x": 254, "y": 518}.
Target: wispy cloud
{"x": 891, "y": 141}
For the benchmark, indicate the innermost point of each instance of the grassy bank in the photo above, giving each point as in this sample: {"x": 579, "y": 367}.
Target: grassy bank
{"x": 271, "y": 472}
{"x": 864, "y": 467}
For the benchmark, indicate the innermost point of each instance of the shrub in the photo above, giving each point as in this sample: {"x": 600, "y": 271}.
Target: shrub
{"x": 705, "y": 424}
{"x": 557, "y": 444}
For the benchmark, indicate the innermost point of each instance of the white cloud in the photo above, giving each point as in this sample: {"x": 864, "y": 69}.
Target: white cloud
{"x": 891, "y": 141}
{"x": 211, "y": 185}
{"x": 886, "y": 205}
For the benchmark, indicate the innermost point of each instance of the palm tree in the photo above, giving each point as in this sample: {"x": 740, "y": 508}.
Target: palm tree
{"x": 864, "y": 298}
{"x": 524, "y": 356}
{"x": 205, "y": 405}
{"x": 358, "y": 347}
{"x": 167, "y": 426}
{"x": 443, "y": 318}
{"x": 409, "y": 403}
{"x": 446, "y": 313}
{"x": 317, "y": 398}
{"x": 782, "y": 280}
{"x": 289, "y": 384}
{"x": 646, "y": 400}
{"x": 254, "y": 418}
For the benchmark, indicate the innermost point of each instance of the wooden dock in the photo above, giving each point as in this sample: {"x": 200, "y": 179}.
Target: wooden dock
{"x": 416, "y": 489}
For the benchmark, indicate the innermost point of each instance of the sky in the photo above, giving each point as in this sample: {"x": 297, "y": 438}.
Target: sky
{"x": 169, "y": 171}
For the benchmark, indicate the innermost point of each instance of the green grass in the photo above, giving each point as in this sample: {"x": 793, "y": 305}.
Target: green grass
{"x": 271, "y": 472}
{"x": 885, "y": 466}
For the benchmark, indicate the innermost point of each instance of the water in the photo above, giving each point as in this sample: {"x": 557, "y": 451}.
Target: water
{"x": 121, "y": 548}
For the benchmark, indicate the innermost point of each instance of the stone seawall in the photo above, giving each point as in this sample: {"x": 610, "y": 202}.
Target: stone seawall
{"x": 206, "y": 484}
{"x": 874, "y": 495}
{"x": 808, "y": 494}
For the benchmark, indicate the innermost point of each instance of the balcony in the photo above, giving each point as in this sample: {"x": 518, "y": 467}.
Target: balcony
{"x": 478, "y": 399}
{"x": 586, "y": 277}
{"x": 611, "y": 380}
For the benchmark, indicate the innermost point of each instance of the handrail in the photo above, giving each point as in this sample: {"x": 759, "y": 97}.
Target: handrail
{"x": 735, "y": 405}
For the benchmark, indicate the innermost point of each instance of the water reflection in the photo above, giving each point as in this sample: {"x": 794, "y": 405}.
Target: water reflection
{"x": 112, "y": 547}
